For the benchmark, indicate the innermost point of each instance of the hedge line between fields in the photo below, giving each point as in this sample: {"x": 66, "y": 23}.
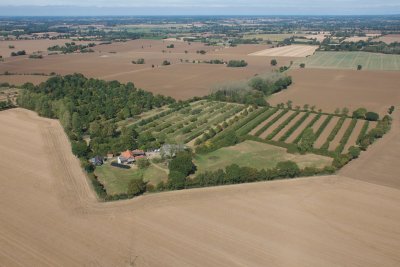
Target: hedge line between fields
{"x": 363, "y": 132}
{"x": 323, "y": 126}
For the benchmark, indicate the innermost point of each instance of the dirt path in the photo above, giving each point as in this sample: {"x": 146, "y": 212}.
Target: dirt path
{"x": 49, "y": 216}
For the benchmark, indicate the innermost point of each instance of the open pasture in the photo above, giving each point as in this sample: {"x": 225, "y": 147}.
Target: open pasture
{"x": 330, "y": 89}
{"x": 255, "y": 155}
{"x": 350, "y": 60}
{"x": 50, "y": 216}
{"x": 287, "y": 51}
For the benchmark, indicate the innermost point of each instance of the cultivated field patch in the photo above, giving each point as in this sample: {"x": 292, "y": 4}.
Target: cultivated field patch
{"x": 351, "y": 60}
{"x": 287, "y": 51}
{"x": 390, "y": 38}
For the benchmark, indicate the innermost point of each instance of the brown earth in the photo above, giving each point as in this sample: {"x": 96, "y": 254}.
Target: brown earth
{"x": 21, "y": 79}
{"x": 336, "y": 141}
{"x": 276, "y": 124}
{"x": 287, "y": 127}
{"x": 49, "y": 216}
{"x": 300, "y": 129}
{"x": 181, "y": 80}
{"x": 331, "y": 89}
{"x": 390, "y": 38}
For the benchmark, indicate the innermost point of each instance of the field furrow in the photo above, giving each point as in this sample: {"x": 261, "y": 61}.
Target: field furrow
{"x": 264, "y": 123}
{"x": 288, "y": 127}
{"x": 354, "y": 135}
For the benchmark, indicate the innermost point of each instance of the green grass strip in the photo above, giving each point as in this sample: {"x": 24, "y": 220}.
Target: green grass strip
{"x": 254, "y": 123}
{"x": 282, "y": 125}
{"x": 309, "y": 125}
{"x": 323, "y": 126}
{"x": 363, "y": 132}
{"x": 334, "y": 132}
{"x": 294, "y": 127}
{"x": 346, "y": 136}
{"x": 265, "y": 127}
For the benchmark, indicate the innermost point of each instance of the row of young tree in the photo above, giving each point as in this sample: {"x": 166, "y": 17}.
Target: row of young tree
{"x": 91, "y": 108}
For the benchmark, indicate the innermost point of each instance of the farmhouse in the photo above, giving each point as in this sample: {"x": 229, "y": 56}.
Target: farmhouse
{"x": 130, "y": 156}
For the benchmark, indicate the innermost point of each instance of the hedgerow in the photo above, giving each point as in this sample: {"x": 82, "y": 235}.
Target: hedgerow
{"x": 363, "y": 132}
{"x": 323, "y": 126}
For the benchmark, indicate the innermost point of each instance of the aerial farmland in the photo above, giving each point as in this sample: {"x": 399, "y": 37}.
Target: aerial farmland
{"x": 199, "y": 140}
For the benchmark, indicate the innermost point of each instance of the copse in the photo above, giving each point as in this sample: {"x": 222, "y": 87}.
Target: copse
{"x": 237, "y": 63}
{"x": 274, "y": 62}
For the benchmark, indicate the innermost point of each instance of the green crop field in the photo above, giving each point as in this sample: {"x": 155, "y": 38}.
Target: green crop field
{"x": 350, "y": 60}
{"x": 256, "y": 155}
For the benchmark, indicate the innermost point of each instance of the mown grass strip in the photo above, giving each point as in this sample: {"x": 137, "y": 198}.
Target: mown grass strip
{"x": 346, "y": 136}
{"x": 294, "y": 127}
{"x": 265, "y": 127}
{"x": 309, "y": 125}
{"x": 334, "y": 132}
{"x": 254, "y": 123}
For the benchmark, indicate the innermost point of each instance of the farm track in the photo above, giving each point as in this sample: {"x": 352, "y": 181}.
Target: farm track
{"x": 50, "y": 217}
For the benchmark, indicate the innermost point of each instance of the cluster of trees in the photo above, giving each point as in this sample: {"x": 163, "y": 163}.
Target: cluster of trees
{"x": 381, "y": 128}
{"x": 214, "y": 61}
{"x": 363, "y": 113}
{"x": 180, "y": 167}
{"x": 165, "y": 63}
{"x": 171, "y": 46}
{"x": 234, "y": 174}
{"x": 252, "y": 92}
{"x": 18, "y": 53}
{"x": 366, "y": 46}
{"x": 91, "y": 107}
{"x": 237, "y": 63}
{"x": 6, "y": 104}
{"x": 72, "y": 47}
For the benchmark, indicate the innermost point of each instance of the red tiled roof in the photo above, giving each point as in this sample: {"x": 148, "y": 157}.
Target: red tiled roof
{"x": 127, "y": 154}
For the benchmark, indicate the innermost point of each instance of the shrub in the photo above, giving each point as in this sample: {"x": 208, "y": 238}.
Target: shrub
{"x": 288, "y": 169}
{"x": 359, "y": 67}
{"x": 391, "y": 109}
{"x": 359, "y": 113}
{"x": 165, "y": 63}
{"x": 309, "y": 125}
{"x": 274, "y": 62}
{"x": 138, "y": 61}
{"x": 237, "y": 63}
{"x": 307, "y": 141}
{"x": 354, "y": 152}
{"x": 371, "y": 116}
{"x": 302, "y": 65}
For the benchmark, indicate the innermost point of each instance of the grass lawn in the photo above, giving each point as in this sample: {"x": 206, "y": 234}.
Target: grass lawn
{"x": 116, "y": 180}
{"x": 256, "y": 155}
{"x": 350, "y": 60}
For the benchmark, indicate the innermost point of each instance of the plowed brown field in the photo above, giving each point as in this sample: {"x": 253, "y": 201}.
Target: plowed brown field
{"x": 49, "y": 216}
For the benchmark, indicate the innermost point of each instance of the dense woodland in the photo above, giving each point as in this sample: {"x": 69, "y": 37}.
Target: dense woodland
{"x": 89, "y": 109}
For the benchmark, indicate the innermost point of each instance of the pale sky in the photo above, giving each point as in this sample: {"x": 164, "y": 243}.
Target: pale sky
{"x": 202, "y": 7}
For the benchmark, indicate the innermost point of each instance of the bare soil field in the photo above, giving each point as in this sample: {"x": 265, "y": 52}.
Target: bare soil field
{"x": 357, "y": 38}
{"x": 31, "y": 46}
{"x": 354, "y": 135}
{"x": 49, "y": 216}
{"x": 331, "y": 89}
{"x": 21, "y": 79}
{"x": 390, "y": 38}
{"x": 182, "y": 79}
{"x": 287, "y": 51}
